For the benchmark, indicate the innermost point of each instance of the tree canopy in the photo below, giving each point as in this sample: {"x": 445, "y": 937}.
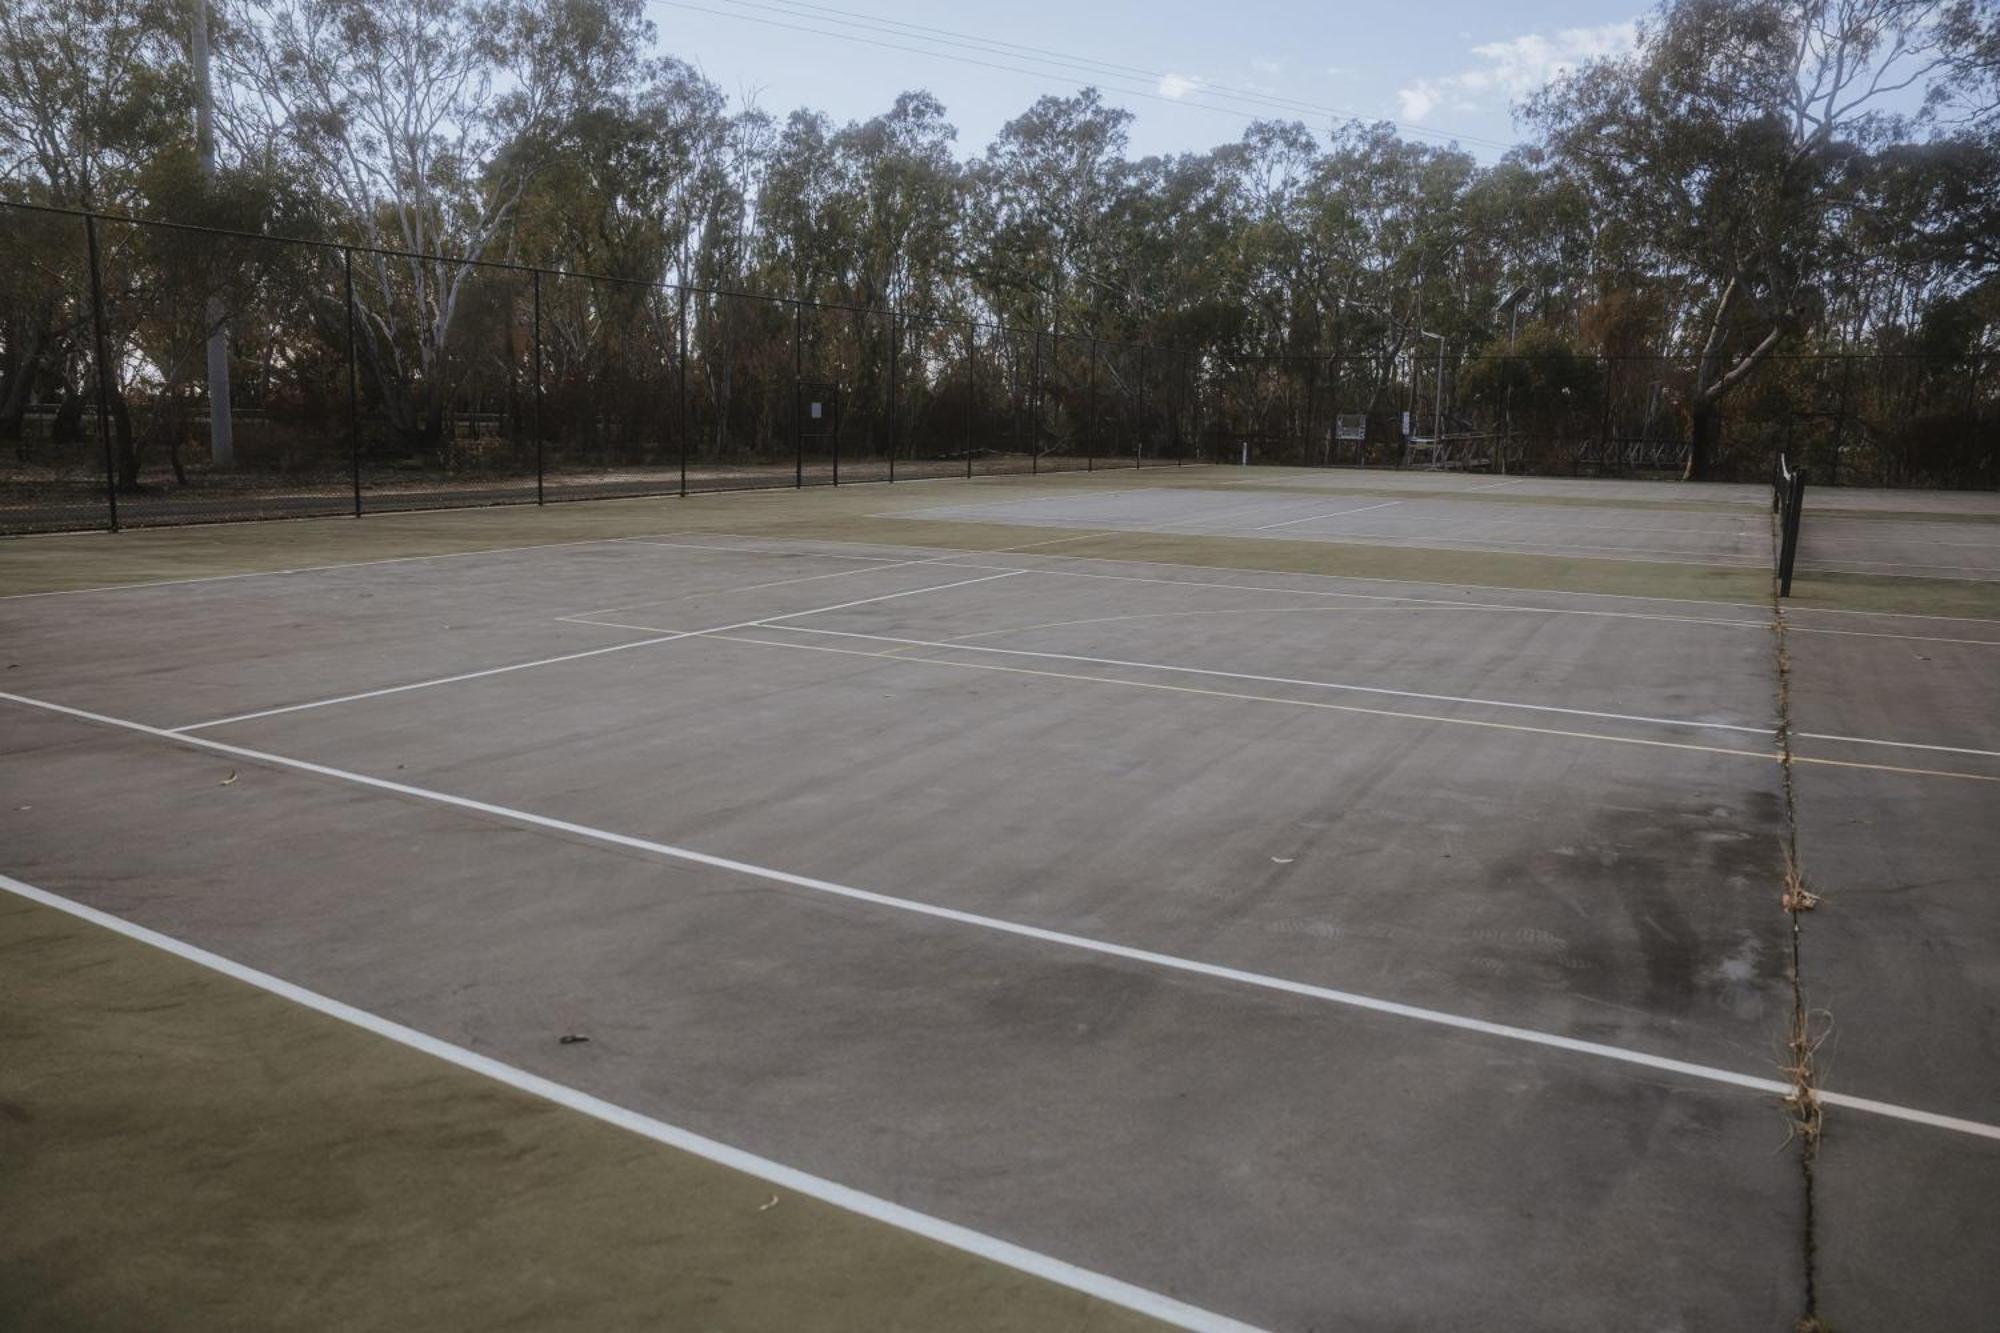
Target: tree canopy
{"x": 1755, "y": 176}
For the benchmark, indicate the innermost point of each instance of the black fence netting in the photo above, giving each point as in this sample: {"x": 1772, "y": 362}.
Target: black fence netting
{"x": 161, "y": 373}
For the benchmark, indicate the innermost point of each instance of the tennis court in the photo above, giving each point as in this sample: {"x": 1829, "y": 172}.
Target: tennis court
{"x": 1153, "y": 905}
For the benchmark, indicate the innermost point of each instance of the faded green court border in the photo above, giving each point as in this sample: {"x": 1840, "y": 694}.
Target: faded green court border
{"x": 180, "y": 1149}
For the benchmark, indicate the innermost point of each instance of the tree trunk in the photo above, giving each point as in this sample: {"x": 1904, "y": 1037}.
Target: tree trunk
{"x": 1704, "y": 422}
{"x": 68, "y": 425}
{"x": 123, "y": 446}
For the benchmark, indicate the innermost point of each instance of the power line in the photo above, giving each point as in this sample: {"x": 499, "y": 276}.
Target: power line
{"x": 1101, "y": 72}
{"x": 1092, "y": 67}
{"x": 1044, "y": 55}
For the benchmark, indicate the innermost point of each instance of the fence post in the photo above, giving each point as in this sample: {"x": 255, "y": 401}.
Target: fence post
{"x": 1195, "y": 421}
{"x": 1604, "y": 424}
{"x": 971, "y": 387}
{"x": 686, "y": 424}
{"x": 1035, "y": 401}
{"x": 1145, "y": 410}
{"x": 103, "y": 372}
{"x": 1090, "y": 446}
{"x": 1181, "y": 413}
{"x": 353, "y": 382}
{"x": 1973, "y": 366}
{"x": 538, "y": 386}
{"x": 894, "y": 414}
{"x": 798, "y": 373}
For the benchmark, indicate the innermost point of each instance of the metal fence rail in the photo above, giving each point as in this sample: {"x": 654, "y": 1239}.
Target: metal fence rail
{"x": 366, "y": 379}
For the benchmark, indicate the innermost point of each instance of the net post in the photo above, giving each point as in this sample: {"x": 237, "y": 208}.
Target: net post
{"x": 683, "y": 376}
{"x": 1794, "y": 506}
{"x": 103, "y": 371}
{"x": 971, "y": 387}
{"x": 353, "y": 382}
{"x": 538, "y": 386}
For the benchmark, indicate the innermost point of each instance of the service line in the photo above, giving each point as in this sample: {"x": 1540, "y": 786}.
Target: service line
{"x": 577, "y": 657}
{"x": 1063, "y": 939}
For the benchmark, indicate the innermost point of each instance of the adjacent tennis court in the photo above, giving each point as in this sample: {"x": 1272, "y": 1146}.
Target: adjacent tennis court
{"x": 1178, "y": 931}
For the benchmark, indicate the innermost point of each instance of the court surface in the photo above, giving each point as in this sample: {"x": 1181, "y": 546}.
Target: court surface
{"x": 1236, "y": 939}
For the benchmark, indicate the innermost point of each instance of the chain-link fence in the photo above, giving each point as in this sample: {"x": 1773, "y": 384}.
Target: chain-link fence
{"x": 364, "y": 379}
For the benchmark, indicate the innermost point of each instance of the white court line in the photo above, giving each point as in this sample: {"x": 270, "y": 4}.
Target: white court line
{"x": 575, "y": 657}
{"x": 305, "y": 569}
{"x": 1499, "y": 485}
{"x": 844, "y": 1197}
{"x": 645, "y": 539}
{"x": 753, "y": 550}
{"x": 1763, "y": 756}
{"x": 578, "y": 616}
{"x": 1762, "y": 625}
{"x": 1083, "y": 943}
{"x": 1899, "y": 745}
{"x": 961, "y": 646}
{"x": 1553, "y": 546}
{"x": 878, "y": 565}
{"x": 1761, "y": 607}
{"x": 1334, "y": 514}
{"x": 1087, "y": 497}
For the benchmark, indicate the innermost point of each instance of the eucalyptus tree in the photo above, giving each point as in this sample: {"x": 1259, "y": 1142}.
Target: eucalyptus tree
{"x": 1036, "y": 236}
{"x": 1725, "y": 152}
{"x": 425, "y": 124}
{"x": 95, "y": 103}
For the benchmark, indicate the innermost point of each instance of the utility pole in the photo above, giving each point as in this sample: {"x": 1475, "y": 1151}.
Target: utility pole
{"x": 221, "y": 429}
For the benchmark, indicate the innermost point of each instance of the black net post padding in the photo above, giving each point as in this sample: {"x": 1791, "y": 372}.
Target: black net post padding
{"x": 1788, "y": 499}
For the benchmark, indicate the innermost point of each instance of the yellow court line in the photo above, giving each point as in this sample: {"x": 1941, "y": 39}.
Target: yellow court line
{"x": 1892, "y": 768}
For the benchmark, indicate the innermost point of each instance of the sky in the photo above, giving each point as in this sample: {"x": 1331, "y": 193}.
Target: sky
{"x": 1446, "y": 69}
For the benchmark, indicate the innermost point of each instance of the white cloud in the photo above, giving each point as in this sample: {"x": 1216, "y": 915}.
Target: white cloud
{"x": 1178, "y": 85}
{"x": 1515, "y": 68}
{"x": 1268, "y": 68}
